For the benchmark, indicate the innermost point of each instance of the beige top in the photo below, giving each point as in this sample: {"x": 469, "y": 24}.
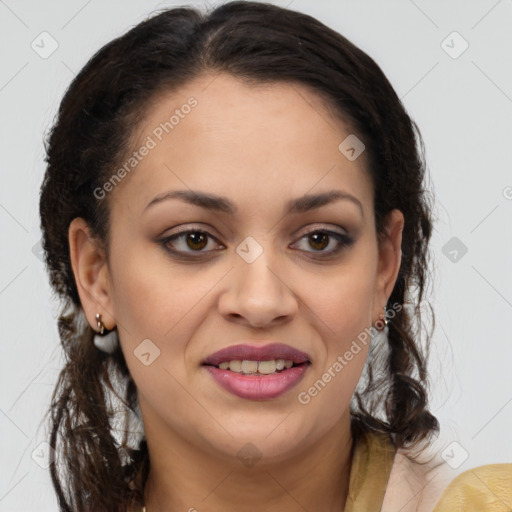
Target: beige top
{"x": 372, "y": 461}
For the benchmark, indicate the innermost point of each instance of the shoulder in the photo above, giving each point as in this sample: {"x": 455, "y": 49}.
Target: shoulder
{"x": 486, "y": 487}
{"x": 430, "y": 487}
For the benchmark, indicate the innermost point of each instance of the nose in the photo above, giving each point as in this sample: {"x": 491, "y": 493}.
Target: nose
{"x": 258, "y": 295}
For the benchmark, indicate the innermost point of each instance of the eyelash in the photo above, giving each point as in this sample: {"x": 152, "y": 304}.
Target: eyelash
{"x": 344, "y": 241}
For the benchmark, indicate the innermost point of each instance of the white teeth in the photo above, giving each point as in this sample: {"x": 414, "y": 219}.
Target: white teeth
{"x": 249, "y": 366}
{"x": 235, "y": 366}
{"x": 252, "y": 367}
{"x": 266, "y": 367}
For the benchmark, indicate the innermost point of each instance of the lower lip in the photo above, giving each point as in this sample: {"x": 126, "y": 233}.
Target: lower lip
{"x": 258, "y": 387}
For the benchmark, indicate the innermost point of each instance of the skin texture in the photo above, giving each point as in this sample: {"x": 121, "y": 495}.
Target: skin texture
{"x": 259, "y": 146}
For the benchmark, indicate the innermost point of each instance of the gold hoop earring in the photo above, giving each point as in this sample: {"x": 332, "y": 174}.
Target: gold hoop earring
{"x": 384, "y": 317}
{"x": 105, "y": 342}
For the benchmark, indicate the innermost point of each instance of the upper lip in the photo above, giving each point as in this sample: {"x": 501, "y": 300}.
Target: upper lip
{"x": 257, "y": 353}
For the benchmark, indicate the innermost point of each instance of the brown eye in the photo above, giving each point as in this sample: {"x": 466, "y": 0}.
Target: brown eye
{"x": 196, "y": 240}
{"x": 319, "y": 240}
{"x": 186, "y": 243}
{"x": 324, "y": 242}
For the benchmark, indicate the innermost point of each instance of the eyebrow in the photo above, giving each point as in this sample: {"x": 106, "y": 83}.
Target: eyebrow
{"x": 213, "y": 202}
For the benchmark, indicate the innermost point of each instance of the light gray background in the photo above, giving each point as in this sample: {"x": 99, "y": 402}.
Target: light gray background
{"x": 463, "y": 107}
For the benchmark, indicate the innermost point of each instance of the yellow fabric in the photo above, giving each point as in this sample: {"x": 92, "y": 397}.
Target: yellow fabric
{"x": 480, "y": 489}
{"x": 484, "y": 488}
{"x": 372, "y": 461}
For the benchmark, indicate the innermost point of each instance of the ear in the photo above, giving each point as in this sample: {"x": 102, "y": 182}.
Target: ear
{"x": 390, "y": 257}
{"x": 89, "y": 264}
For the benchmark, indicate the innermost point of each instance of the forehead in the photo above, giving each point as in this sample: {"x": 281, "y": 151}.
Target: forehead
{"x": 260, "y": 143}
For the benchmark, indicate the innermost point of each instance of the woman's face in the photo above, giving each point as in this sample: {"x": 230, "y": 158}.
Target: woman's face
{"x": 262, "y": 264}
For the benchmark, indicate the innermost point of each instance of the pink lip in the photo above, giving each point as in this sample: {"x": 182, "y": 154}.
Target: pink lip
{"x": 258, "y": 387}
{"x": 257, "y": 353}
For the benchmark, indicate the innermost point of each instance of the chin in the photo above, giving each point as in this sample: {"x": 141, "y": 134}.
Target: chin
{"x": 262, "y": 442}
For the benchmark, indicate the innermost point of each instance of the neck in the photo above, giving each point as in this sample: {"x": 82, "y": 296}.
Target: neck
{"x": 183, "y": 477}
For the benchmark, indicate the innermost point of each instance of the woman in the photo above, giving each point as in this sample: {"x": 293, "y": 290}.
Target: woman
{"x": 235, "y": 216}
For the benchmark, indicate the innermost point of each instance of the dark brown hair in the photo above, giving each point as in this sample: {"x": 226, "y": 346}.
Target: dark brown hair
{"x": 96, "y": 469}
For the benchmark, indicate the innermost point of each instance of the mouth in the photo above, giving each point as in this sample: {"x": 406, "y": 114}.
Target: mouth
{"x": 257, "y": 372}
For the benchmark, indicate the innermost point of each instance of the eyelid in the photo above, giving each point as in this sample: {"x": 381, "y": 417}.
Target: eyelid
{"x": 188, "y": 228}
{"x": 312, "y": 228}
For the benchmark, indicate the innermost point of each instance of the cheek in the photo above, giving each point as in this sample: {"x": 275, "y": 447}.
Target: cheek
{"x": 342, "y": 301}
{"x": 156, "y": 300}
{"x": 345, "y": 313}
{"x": 148, "y": 292}
{"x": 343, "y": 298}
{"x": 160, "y": 300}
